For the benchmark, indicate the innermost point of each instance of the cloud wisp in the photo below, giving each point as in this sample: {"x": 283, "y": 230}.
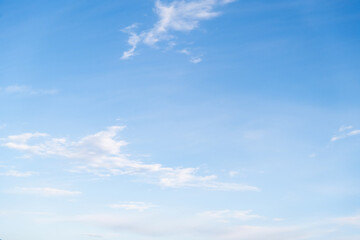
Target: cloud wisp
{"x": 45, "y": 191}
{"x": 344, "y": 132}
{"x": 101, "y": 154}
{"x": 225, "y": 215}
{"x": 14, "y": 173}
{"x": 349, "y": 220}
{"x": 26, "y": 90}
{"x": 173, "y": 17}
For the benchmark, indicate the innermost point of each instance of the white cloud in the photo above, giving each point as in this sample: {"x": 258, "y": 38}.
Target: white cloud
{"x": 14, "y": 173}
{"x": 176, "y": 16}
{"x": 26, "y": 90}
{"x": 46, "y": 191}
{"x": 344, "y": 132}
{"x": 101, "y": 154}
{"x": 138, "y": 206}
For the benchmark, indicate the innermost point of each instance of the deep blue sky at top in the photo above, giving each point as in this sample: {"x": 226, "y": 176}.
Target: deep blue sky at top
{"x": 311, "y": 44}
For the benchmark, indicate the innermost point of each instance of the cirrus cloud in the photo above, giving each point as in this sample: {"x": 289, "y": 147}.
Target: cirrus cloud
{"x": 176, "y": 16}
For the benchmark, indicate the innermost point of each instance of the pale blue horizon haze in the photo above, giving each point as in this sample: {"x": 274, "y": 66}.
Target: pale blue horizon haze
{"x": 171, "y": 119}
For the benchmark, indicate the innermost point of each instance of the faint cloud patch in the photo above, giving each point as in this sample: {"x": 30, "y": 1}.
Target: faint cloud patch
{"x": 233, "y": 173}
{"x": 26, "y": 90}
{"x": 46, "y": 192}
{"x": 350, "y": 220}
{"x": 225, "y": 215}
{"x": 14, "y": 173}
{"x": 195, "y": 60}
{"x": 93, "y": 235}
{"x": 137, "y": 206}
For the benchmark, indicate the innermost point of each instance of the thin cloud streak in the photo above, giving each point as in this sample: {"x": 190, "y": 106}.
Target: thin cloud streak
{"x": 228, "y": 214}
{"x": 45, "y": 191}
{"x": 26, "y": 90}
{"x": 345, "y": 132}
{"x": 14, "y": 173}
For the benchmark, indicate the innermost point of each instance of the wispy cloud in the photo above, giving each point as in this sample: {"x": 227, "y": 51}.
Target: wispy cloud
{"x": 344, "y": 132}
{"x": 102, "y": 154}
{"x": 14, "y": 173}
{"x": 176, "y": 16}
{"x": 350, "y": 220}
{"x": 26, "y": 90}
{"x": 138, "y": 206}
{"x": 193, "y": 59}
{"x": 46, "y": 191}
{"x": 201, "y": 226}
{"x": 228, "y": 214}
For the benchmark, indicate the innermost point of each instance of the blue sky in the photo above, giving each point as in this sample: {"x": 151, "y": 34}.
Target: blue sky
{"x": 197, "y": 119}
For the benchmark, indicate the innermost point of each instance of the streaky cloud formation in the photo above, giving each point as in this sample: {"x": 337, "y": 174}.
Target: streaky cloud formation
{"x": 165, "y": 226}
{"x": 228, "y": 214}
{"x": 102, "y": 154}
{"x": 45, "y": 191}
{"x": 350, "y": 220}
{"x": 26, "y": 90}
{"x": 176, "y": 16}
{"x": 14, "y": 173}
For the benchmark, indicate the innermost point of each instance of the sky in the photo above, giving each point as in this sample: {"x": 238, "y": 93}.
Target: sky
{"x": 180, "y": 119}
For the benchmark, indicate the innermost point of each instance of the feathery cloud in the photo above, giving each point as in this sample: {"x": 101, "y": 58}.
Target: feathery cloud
{"x": 176, "y": 16}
